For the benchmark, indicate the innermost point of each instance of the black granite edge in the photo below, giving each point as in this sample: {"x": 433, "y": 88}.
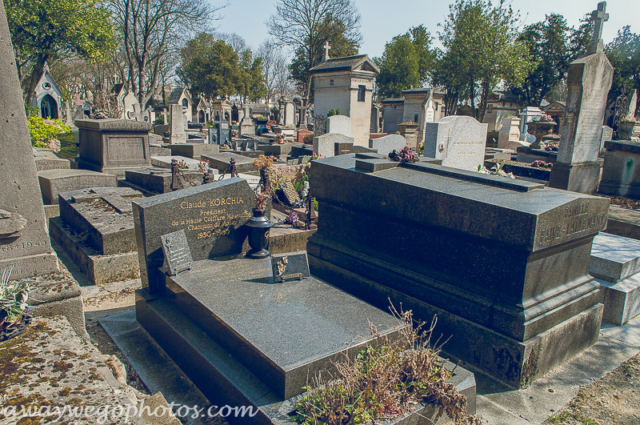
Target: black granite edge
{"x": 113, "y": 124}
{"x": 517, "y": 321}
{"x": 502, "y": 357}
{"x": 218, "y": 330}
{"x": 404, "y": 275}
{"x": 622, "y": 145}
{"x": 228, "y": 374}
{"x": 220, "y": 377}
{"x": 497, "y": 181}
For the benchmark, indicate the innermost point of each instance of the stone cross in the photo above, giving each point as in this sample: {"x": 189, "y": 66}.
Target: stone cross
{"x": 326, "y": 50}
{"x": 600, "y": 17}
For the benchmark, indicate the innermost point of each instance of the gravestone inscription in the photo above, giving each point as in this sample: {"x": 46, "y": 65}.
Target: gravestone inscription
{"x": 176, "y": 252}
{"x": 290, "y": 266}
{"x": 212, "y": 216}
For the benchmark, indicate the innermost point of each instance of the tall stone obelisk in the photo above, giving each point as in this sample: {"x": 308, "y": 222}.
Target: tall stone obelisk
{"x": 24, "y": 238}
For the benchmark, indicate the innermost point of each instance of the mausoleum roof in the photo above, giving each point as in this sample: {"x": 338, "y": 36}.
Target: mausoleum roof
{"x": 349, "y": 63}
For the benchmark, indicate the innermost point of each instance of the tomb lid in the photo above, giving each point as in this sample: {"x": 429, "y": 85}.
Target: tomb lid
{"x": 113, "y": 125}
{"x": 489, "y": 207}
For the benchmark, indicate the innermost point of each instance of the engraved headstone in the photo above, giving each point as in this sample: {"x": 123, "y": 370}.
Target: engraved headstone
{"x": 176, "y": 252}
{"x": 290, "y": 266}
{"x": 459, "y": 141}
{"x": 589, "y": 80}
{"x": 212, "y": 216}
{"x": 177, "y": 125}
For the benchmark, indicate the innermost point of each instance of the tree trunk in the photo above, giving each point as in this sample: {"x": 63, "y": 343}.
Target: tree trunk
{"x": 38, "y": 72}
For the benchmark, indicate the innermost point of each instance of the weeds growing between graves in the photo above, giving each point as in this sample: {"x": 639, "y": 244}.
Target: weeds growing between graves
{"x": 385, "y": 379}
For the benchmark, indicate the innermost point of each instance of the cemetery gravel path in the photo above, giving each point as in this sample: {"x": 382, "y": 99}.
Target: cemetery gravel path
{"x": 612, "y": 400}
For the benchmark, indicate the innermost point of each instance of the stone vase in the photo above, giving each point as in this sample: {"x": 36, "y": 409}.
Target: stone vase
{"x": 539, "y": 129}
{"x": 258, "y": 230}
{"x": 629, "y": 130}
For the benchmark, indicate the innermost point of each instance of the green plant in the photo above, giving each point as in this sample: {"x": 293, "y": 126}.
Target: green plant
{"x": 159, "y": 120}
{"x": 496, "y": 170}
{"x": 337, "y": 111}
{"x": 13, "y": 297}
{"x": 30, "y": 110}
{"x": 44, "y": 132}
{"x": 331, "y": 113}
{"x": 385, "y": 379}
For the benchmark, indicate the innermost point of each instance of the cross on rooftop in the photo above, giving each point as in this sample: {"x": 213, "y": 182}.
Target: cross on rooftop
{"x": 600, "y": 17}
{"x": 326, "y": 50}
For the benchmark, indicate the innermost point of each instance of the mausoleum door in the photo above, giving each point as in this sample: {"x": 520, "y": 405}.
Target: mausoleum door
{"x": 49, "y": 107}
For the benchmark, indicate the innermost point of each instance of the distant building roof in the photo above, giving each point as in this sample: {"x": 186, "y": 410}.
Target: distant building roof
{"x": 176, "y": 94}
{"x": 393, "y": 100}
{"x": 349, "y": 63}
{"x": 117, "y": 88}
{"x": 418, "y": 90}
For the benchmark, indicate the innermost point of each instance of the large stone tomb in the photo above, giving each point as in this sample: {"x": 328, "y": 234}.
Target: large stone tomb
{"x": 113, "y": 146}
{"x": 242, "y": 338}
{"x": 502, "y": 263}
{"x": 95, "y": 228}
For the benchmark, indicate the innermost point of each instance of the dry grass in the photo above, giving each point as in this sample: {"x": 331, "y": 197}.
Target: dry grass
{"x": 385, "y": 379}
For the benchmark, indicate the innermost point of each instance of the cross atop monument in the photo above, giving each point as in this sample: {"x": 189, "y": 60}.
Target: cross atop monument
{"x": 599, "y": 17}
{"x": 326, "y": 50}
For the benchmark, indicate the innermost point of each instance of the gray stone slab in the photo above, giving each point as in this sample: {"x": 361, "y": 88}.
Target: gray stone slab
{"x": 194, "y": 150}
{"x": 629, "y": 333}
{"x": 213, "y": 216}
{"x": 165, "y": 162}
{"x": 459, "y": 141}
{"x": 283, "y": 333}
{"x": 614, "y": 258}
{"x": 24, "y": 240}
{"x": 385, "y": 145}
{"x": 220, "y": 162}
{"x": 623, "y": 222}
{"x": 106, "y": 223}
{"x": 54, "y": 182}
{"x": 325, "y": 145}
{"x": 49, "y": 160}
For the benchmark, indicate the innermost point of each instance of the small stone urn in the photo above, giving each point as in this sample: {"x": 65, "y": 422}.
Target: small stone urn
{"x": 258, "y": 230}
{"x": 540, "y": 129}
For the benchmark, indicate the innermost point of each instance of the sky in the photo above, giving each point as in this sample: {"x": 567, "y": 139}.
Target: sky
{"x": 381, "y": 20}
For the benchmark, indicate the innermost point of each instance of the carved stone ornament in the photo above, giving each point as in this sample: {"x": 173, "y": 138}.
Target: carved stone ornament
{"x": 11, "y": 224}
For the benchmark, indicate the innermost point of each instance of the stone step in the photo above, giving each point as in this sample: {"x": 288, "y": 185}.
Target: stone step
{"x": 621, "y": 300}
{"x": 614, "y": 258}
{"x": 226, "y": 381}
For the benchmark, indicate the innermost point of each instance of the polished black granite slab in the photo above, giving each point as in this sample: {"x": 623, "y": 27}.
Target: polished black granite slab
{"x": 284, "y": 333}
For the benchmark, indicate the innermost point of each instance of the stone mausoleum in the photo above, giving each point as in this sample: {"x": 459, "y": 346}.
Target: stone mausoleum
{"x": 346, "y": 84}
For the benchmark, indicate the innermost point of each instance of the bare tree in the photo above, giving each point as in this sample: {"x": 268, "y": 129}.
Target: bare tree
{"x": 276, "y": 70}
{"x": 299, "y": 24}
{"x": 152, "y": 29}
{"x": 232, "y": 39}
